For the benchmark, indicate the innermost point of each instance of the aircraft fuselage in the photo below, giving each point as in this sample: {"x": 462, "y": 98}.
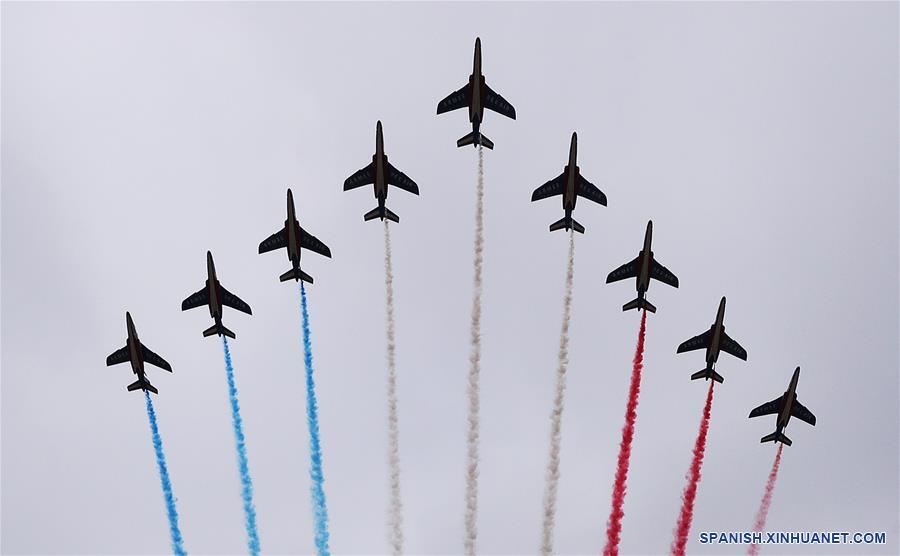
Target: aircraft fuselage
{"x": 645, "y": 258}
{"x": 476, "y": 82}
{"x": 134, "y": 348}
{"x": 571, "y": 171}
{"x": 290, "y": 226}
{"x": 212, "y": 283}
{"x": 715, "y": 343}
{"x": 788, "y": 401}
{"x": 380, "y": 163}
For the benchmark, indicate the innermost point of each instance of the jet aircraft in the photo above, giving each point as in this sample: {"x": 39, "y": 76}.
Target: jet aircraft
{"x": 476, "y": 96}
{"x": 643, "y": 267}
{"x": 294, "y": 238}
{"x": 714, "y": 340}
{"x": 785, "y": 406}
{"x": 138, "y": 354}
{"x": 381, "y": 173}
{"x": 215, "y": 296}
{"x": 570, "y": 184}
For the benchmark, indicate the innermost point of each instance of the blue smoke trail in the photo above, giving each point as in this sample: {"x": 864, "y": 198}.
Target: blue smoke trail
{"x": 177, "y": 542}
{"x": 247, "y": 484}
{"x": 320, "y": 510}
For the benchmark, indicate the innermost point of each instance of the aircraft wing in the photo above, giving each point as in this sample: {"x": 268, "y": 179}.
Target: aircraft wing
{"x": 278, "y": 240}
{"x": 663, "y": 274}
{"x": 627, "y": 270}
{"x": 311, "y": 242}
{"x": 234, "y": 301}
{"x": 700, "y": 341}
{"x": 800, "y": 412}
{"x": 118, "y": 356}
{"x": 398, "y": 179}
{"x": 768, "y": 408}
{"x": 590, "y": 191}
{"x": 198, "y": 299}
{"x": 456, "y": 100}
{"x": 495, "y": 102}
{"x": 363, "y": 176}
{"x": 730, "y": 346}
{"x": 549, "y": 189}
{"x": 154, "y": 359}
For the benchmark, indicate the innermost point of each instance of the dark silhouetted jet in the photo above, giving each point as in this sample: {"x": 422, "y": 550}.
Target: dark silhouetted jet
{"x": 294, "y": 238}
{"x": 570, "y": 184}
{"x": 713, "y": 340}
{"x": 644, "y": 267}
{"x": 381, "y": 173}
{"x": 476, "y": 96}
{"x": 138, "y": 354}
{"x": 215, "y": 296}
{"x": 785, "y": 406}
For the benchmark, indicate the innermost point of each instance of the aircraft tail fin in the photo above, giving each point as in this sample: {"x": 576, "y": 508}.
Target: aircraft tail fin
{"x": 567, "y": 222}
{"x": 475, "y": 139}
{"x": 218, "y": 329}
{"x": 776, "y": 436}
{"x": 380, "y": 212}
{"x": 639, "y": 303}
{"x": 296, "y": 274}
{"x": 708, "y": 374}
{"x": 142, "y": 385}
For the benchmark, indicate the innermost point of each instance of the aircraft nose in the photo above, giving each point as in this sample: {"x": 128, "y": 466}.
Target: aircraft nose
{"x": 290, "y": 195}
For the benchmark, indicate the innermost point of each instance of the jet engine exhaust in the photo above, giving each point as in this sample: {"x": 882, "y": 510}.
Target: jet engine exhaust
{"x": 320, "y": 509}
{"x": 614, "y": 524}
{"x": 556, "y": 416}
{"x": 174, "y": 530}
{"x": 693, "y": 477}
{"x": 396, "y": 509}
{"x": 766, "y": 501}
{"x": 243, "y": 467}
{"x": 475, "y": 369}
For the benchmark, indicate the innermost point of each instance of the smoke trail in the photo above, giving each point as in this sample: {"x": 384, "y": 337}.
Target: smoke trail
{"x": 693, "y": 477}
{"x": 320, "y": 509}
{"x": 246, "y": 483}
{"x": 614, "y": 524}
{"x": 396, "y": 515}
{"x": 475, "y": 368}
{"x": 766, "y": 501}
{"x": 556, "y": 416}
{"x": 177, "y": 542}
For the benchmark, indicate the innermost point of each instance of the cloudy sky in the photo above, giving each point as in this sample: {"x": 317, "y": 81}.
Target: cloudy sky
{"x": 762, "y": 139}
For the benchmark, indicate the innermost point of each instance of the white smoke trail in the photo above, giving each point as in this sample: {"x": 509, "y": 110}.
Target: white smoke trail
{"x": 556, "y": 416}
{"x": 475, "y": 368}
{"x": 396, "y": 509}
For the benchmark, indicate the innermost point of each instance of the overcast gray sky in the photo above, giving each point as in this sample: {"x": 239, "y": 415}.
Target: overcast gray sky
{"x": 762, "y": 139}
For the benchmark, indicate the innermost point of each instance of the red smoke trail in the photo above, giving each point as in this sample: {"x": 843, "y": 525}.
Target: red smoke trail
{"x": 614, "y": 525}
{"x": 766, "y": 501}
{"x": 693, "y": 477}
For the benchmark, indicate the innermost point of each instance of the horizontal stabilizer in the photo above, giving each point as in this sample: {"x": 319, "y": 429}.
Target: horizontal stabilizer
{"x": 381, "y": 212}
{"x": 776, "y": 437}
{"x": 296, "y": 274}
{"x": 708, "y": 374}
{"x": 142, "y": 385}
{"x": 639, "y": 303}
{"x": 566, "y": 222}
{"x": 218, "y": 329}
{"x": 475, "y": 140}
